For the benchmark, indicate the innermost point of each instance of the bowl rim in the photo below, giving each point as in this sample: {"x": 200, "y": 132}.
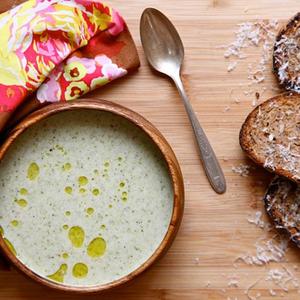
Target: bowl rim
{"x": 173, "y": 168}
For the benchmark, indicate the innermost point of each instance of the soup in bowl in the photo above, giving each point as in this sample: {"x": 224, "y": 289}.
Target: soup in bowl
{"x": 91, "y": 195}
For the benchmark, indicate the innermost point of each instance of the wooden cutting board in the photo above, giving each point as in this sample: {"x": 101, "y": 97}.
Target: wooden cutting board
{"x": 215, "y": 230}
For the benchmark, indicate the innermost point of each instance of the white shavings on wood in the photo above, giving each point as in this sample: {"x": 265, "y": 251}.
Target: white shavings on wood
{"x": 233, "y": 283}
{"x": 268, "y": 251}
{"x": 251, "y": 34}
{"x": 250, "y": 287}
{"x": 247, "y": 34}
{"x": 272, "y": 292}
{"x": 208, "y": 284}
{"x": 256, "y": 220}
{"x": 242, "y": 170}
{"x": 232, "y": 66}
{"x": 282, "y": 278}
{"x": 260, "y": 35}
{"x": 227, "y": 108}
{"x": 272, "y": 250}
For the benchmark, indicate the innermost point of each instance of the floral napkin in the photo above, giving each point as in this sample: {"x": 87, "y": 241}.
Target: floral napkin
{"x": 58, "y": 50}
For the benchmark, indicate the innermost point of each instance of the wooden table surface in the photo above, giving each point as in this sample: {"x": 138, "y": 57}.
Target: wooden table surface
{"x": 215, "y": 230}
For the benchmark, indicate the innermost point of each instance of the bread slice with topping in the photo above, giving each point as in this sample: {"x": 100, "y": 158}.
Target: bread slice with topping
{"x": 270, "y": 136}
{"x": 282, "y": 202}
{"x": 286, "y": 56}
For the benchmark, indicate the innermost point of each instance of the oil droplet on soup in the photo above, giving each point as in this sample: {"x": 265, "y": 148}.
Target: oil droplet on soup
{"x": 96, "y": 247}
{"x": 33, "y": 171}
{"x": 122, "y": 184}
{"x": 124, "y": 196}
{"x": 96, "y": 192}
{"x": 65, "y": 227}
{"x": 23, "y": 192}
{"x": 82, "y": 180}
{"x": 68, "y": 213}
{"x": 76, "y": 236}
{"x": 10, "y": 246}
{"x": 59, "y": 274}
{"x": 65, "y": 255}
{"x": 90, "y": 211}
{"x": 82, "y": 191}
{"x": 68, "y": 190}
{"x": 67, "y": 167}
{"x": 61, "y": 149}
{"x": 21, "y": 202}
{"x": 80, "y": 270}
{"x": 14, "y": 223}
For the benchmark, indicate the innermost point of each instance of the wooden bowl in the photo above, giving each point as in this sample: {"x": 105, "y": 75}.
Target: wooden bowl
{"x": 168, "y": 154}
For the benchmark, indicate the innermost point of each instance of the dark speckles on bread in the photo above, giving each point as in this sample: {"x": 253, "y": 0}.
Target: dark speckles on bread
{"x": 270, "y": 136}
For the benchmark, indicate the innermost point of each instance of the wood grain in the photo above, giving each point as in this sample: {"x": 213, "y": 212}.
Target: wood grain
{"x": 215, "y": 228}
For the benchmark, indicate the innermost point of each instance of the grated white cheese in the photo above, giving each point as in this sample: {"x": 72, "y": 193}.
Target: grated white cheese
{"x": 256, "y": 219}
{"x": 232, "y": 66}
{"x": 208, "y": 283}
{"x": 282, "y": 278}
{"x": 272, "y": 292}
{"x": 227, "y": 108}
{"x": 250, "y": 287}
{"x": 272, "y": 250}
{"x": 260, "y": 34}
{"x": 242, "y": 170}
{"x": 233, "y": 283}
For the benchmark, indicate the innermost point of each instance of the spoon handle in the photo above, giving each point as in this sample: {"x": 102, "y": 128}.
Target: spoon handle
{"x": 209, "y": 160}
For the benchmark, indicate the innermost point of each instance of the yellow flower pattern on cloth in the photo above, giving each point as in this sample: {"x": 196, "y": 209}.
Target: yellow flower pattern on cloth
{"x": 37, "y": 38}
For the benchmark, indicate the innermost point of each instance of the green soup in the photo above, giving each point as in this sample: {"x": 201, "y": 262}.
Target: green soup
{"x": 86, "y": 198}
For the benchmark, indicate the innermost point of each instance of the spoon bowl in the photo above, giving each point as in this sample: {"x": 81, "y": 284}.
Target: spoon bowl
{"x": 164, "y": 55}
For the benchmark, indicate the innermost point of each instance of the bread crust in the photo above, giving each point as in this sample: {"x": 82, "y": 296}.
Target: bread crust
{"x": 282, "y": 203}
{"x": 250, "y": 147}
{"x": 283, "y": 54}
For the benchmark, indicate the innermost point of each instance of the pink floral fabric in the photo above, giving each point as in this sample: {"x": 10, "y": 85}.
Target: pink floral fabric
{"x": 39, "y": 39}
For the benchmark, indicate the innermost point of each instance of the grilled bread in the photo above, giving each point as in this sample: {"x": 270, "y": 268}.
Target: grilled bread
{"x": 286, "y": 57}
{"x": 282, "y": 202}
{"x": 270, "y": 136}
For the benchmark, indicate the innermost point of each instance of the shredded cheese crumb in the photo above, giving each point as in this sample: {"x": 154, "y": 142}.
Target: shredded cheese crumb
{"x": 260, "y": 34}
{"x": 257, "y": 220}
{"x": 242, "y": 170}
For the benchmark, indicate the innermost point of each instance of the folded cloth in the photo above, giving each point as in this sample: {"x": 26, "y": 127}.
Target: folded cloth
{"x": 60, "y": 49}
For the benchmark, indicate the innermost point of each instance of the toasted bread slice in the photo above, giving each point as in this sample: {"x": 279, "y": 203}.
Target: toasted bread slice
{"x": 282, "y": 202}
{"x": 270, "y": 136}
{"x": 286, "y": 56}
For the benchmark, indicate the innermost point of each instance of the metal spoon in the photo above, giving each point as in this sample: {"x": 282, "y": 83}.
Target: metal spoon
{"x": 164, "y": 51}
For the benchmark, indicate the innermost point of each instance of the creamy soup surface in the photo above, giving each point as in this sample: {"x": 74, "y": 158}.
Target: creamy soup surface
{"x": 86, "y": 198}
